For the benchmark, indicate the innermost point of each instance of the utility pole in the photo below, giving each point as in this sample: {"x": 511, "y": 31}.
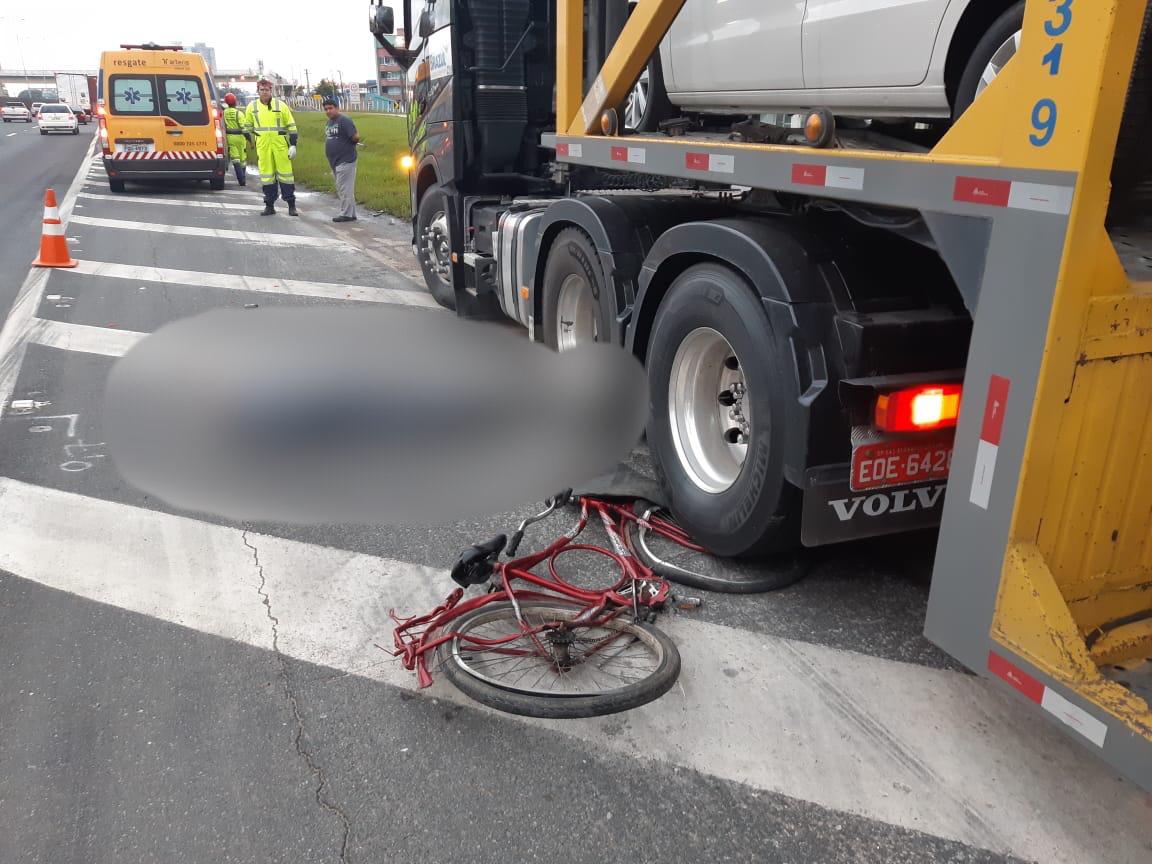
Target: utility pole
{"x": 307, "y": 83}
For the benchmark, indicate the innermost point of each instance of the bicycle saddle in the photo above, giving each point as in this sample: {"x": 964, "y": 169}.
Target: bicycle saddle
{"x": 474, "y": 565}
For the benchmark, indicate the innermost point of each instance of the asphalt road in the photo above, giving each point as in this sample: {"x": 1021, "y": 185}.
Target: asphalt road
{"x": 177, "y": 688}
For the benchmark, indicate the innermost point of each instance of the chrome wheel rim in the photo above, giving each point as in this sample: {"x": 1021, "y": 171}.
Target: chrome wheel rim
{"x": 575, "y": 313}
{"x": 637, "y": 102}
{"x": 1000, "y": 58}
{"x": 434, "y": 245}
{"x": 709, "y": 411}
{"x": 579, "y": 661}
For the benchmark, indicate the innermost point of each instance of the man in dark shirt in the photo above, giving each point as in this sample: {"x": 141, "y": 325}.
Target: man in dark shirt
{"x": 340, "y": 140}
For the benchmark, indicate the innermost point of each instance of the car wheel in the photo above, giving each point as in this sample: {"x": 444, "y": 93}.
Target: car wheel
{"x": 42, "y": 132}
{"x": 76, "y": 131}
{"x": 716, "y": 424}
{"x": 115, "y": 185}
{"x": 574, "y": 293}
{"x": 998, "y": 45}
{"x": 433, "y": 247}
{"x": 647, "y": 104}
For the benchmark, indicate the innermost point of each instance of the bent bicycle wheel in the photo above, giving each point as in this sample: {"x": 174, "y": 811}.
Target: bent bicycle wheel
{"x": 585, "y": 670}
{"x": 685, "y": 566}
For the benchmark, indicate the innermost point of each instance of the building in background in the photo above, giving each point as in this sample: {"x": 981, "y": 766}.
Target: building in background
{"x": 207, "y": 52}
{"x": 388, "y": 71}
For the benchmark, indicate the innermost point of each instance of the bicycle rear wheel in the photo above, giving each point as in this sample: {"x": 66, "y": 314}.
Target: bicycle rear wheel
{"x": 588, "y": 670}
{"x": 678, "y": 563}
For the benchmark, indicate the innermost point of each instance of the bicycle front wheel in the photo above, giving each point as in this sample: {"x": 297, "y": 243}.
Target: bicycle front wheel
{"x": 568, "y": 670}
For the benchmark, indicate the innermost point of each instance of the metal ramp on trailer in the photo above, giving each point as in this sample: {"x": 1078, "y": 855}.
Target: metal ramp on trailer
{"x": 1043, "y": 574}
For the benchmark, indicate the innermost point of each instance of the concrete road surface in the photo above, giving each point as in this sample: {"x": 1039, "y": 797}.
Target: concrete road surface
{"x": 183, "y": 689}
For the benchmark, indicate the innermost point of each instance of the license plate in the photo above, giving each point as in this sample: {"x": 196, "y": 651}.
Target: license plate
{"x": 136, "y": 148}
{"x": 881, "y": 464}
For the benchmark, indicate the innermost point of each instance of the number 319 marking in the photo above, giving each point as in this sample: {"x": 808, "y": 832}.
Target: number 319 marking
{"x": 1044, "y": 111}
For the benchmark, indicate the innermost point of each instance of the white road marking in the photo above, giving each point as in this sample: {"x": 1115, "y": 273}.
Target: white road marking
{"x": 10, "y": 134}
{"x": 263, "y": 238}
{"x": 83, "y": 337}
{"x": 262, "y": 284}
{"x": 18, "y": 324}
{"x": 178, "y": 202}
{"x": 925, "y": 749}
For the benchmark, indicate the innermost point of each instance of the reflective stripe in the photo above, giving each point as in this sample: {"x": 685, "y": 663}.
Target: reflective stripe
{"x": 53, "y": 230}
{"x": 52, "y": 213}
{"x": 288, "y": 178}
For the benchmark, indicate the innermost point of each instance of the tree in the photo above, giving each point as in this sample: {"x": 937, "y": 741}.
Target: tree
{"x": 326, "y": 88}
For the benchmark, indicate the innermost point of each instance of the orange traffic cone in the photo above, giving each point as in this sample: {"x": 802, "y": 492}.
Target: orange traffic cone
{"x": 53, "y": 245}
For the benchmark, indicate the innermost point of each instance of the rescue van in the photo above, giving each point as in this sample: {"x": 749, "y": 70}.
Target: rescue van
{"x": 158, "y": 116}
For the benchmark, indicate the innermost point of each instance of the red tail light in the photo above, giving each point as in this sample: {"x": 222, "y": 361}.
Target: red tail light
{"x": 918, "y": 409}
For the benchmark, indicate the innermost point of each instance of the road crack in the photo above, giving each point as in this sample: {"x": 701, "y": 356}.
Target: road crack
{"x": 298, "y": 717}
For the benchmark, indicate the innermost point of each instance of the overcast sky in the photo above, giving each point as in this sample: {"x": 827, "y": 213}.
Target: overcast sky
{"x": 322, "y": 36}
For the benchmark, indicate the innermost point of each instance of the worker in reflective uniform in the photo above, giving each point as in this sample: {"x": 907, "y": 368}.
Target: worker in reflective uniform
{"x": 271, "y": 121}
{"x": 237, "y": 140}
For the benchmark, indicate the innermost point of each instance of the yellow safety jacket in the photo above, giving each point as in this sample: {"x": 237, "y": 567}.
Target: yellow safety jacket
{"x": 271, "y": 124}
{"x": 233, "y": 118}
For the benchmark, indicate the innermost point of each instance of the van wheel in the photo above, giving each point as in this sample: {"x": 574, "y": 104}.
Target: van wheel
{"x": 716, "y": 425}
{"x": 574, "y": 297}
{"x": 216, "y": 183}
{"x": 115, "y": 185}
{"x": 433, "y": 246}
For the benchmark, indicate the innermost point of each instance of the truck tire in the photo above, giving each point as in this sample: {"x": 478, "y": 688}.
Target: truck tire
{"x": 575, "y": 303}
{"x": 712, "y": 371}
{"x": 995, "y": 38}
{"x": 432, "y": 246}
{"x": 115, "y": 185}
{"x": 216, "y": 183}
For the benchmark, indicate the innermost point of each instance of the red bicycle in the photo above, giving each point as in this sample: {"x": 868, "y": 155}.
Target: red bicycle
{"x": 539, "y": 645}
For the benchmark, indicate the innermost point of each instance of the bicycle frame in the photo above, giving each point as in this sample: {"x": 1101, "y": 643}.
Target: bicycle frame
{"x": 416, "y": 636}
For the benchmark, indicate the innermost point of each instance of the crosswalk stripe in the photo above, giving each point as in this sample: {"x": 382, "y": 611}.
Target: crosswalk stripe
{"x": 262, "y": 284}
{"x": 83, "y": 337}
{"x": 263, "y": 238}
{"x": 930, "y": 750}
{"x": 178, "y": 202}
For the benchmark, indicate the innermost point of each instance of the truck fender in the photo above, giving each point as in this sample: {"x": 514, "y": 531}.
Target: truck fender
{"x": 613, "y": 234}
{"x": 789, "y": 269}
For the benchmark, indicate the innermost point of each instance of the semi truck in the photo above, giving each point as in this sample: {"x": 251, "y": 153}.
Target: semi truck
{"x": 805, "y": 353}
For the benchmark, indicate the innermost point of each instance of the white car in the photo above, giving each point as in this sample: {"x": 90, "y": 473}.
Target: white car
{"x": 15, "y": 111}
{"x": 56, "y": 117}
{"x": 862, "y": 58}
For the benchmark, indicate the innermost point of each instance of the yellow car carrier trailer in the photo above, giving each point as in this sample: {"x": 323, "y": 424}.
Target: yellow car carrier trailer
{"x": 1043, "y": 574}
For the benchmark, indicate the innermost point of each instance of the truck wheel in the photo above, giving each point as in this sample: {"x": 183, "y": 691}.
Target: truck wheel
{"x": 998, "y": 45}
{"x": 574, "y": 298}
{"x": 216, "y": 183}
{"x": 716, "y": 425}
{"x": 433, "y": 247}
{"x": 115, "y": 185}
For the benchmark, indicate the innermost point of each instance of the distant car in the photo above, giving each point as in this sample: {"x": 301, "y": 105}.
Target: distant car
{"x": 82, "y": 116}
{"x": 15, "y": 111}
{"x": 57, "y": 118}
{"x": 36, "y": 108}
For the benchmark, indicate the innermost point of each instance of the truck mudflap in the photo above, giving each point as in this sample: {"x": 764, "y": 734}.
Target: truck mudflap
{"x": 833, "y": 513}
